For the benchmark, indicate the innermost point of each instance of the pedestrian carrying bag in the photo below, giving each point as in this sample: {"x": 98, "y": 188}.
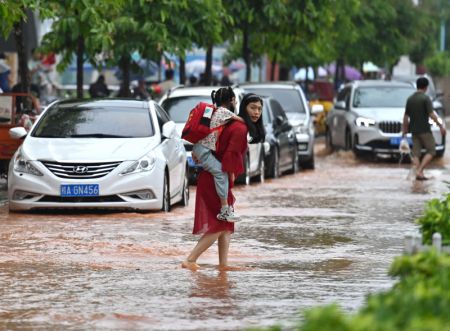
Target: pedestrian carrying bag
{"x": 198, "y": 123}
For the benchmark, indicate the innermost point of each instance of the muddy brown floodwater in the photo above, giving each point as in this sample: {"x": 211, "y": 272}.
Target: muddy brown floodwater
{"x": 312, "y": 238}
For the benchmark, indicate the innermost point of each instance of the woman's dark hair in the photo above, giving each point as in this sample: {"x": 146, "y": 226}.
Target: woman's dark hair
{"x": 222, "y": 97}
{"x": 256, "y": 130}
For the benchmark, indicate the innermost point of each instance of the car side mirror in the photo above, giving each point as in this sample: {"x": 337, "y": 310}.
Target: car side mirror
{"x": 169, "y": 129}
{"x": 340, "y": 105}
{"x": 439, "y": 94}
{"x": 316, "y": 109}
{"x": 279, "y": 120}
{"x": 18, "y": 133}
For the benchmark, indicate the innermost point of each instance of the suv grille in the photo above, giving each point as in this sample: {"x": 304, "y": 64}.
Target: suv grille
{"x": 390, "y": 126}
{"x": 80, "y": 170}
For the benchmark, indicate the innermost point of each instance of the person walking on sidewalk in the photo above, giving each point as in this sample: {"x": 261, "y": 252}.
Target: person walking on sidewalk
{"x": 416, "y": 118}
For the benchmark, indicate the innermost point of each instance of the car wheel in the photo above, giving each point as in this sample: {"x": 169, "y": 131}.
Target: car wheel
{"x": 295, "y": 162}
{"x": 185, "y": 197}
{"x": 348, "y": 140}
{"x": 245, "y": 177}
{"x": 356, "y": 151}
{"x": 308, "y": 164}
{"x": 275, "y": 172}
{"x": 166, "y": 195}
{"x": 262, "y": 170}
{"x": 328, "y": 139}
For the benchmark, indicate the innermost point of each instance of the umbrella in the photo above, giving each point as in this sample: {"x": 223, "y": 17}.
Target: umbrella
{"x": 370, "y": 67}
{"x": 351, "y": 73}
{"x": 198, "y": 67}
{"x": 235, "y": 66}
{"x": 301, "y": 73}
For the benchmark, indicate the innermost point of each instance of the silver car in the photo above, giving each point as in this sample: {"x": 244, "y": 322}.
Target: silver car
{"x": 294, "y": 103}
{"x": 180, "y": 100}
{"x": 367, "y": 118}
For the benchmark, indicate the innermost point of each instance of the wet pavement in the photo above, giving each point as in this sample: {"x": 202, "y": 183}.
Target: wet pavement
{"x": 312, "y": 238}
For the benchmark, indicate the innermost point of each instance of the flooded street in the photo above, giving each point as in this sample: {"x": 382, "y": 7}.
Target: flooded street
{"x": 312, "y": 238}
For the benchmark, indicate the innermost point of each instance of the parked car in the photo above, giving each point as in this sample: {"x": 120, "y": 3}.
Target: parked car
{"x": 106, "y": 153}
{"x": 280, "y": 135}
{"x": 293, "y": 100}
{"x": 181, "y": 100}
{"x": 434, "y": 94}
{"x": 367, "y": 118}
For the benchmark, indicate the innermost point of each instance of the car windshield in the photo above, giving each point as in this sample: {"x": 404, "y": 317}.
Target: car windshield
{"x": 382, "y": 97}
{"x": 94, "y": 122}
{"x": 180, "y": 107}
{"x": 289, "y": 99}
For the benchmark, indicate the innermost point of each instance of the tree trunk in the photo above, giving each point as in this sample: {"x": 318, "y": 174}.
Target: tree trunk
{"x": 182, "y": 70}
{"x": 23, "y": 57}
{"x": 273, "y": 64}
{"x": 283, "y": 73}
{"x": 208, "y": 68}
{"x": 339, "y": 73}
{"x": 246, "y": 53}
{"x": 80, "y": 69}
{"x": 125, "y": 67}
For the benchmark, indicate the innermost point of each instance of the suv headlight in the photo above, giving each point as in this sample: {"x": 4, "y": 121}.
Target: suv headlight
{"x": 146, "y": 163}
{"x": 363, "y": 121}
{"x": 21, "y": 164}
{"x": 303, "y": 129}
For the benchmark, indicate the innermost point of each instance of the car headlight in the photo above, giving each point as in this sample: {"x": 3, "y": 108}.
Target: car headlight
{"x": 21, "y": 164}
{"x": 301, "y": 129}
{"x": 146, "y": 163}
{"x": 363, "y": 121}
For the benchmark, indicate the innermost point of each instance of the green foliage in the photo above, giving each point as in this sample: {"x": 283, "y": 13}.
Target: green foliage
{"x": 13, "y": 11}
{"x": 419, "y": 301}
{"x": 328, "y": 318}
{"x": 438, "y": 64}
{"x": 436, "y": 219}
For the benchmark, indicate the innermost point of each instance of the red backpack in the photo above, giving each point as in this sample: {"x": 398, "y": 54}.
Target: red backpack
{"x": 198, "y": 122}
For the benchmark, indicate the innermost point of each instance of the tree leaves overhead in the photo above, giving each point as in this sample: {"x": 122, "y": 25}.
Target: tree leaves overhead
{"x": 290, "y": 32}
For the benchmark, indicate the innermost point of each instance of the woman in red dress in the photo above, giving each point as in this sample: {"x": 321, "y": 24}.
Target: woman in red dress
{"x": 231, "y": 150}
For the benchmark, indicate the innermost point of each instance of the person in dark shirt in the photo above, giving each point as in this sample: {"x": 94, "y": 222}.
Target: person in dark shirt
{"x": 99, "y": 88}
{"x": 417, "y": 113}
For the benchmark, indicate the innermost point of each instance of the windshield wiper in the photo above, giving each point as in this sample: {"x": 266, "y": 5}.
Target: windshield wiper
{"x": 97, "y": 135}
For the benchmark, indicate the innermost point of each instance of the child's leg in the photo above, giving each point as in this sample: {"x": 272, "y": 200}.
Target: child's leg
{"x": 214, "y": 167}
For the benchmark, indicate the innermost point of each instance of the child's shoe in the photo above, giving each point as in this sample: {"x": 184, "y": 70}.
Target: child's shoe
{"x": 223, "y": 214}
{"x": 231, "y": 216}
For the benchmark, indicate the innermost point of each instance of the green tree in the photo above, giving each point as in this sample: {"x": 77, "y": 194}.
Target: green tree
{"x": 81, "y": 28}
{"x": 13, "y": 15}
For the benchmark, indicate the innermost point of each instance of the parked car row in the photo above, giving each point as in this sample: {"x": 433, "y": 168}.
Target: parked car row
{"x": 287, "y": 119}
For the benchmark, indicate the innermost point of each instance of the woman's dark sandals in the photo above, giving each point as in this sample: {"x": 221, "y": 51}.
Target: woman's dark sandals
{"x": 421, "y": 178}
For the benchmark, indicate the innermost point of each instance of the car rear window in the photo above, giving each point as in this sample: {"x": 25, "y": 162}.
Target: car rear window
{"x": 289, "y": 99}
{"x": 180, "y": 107}
{"x": 381, "y": 97}
{"x": 98, "y": 122}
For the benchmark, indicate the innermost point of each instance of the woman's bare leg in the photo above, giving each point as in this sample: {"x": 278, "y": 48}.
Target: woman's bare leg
{"x": 202, "y": 245}
{"x": 224, "y": 245}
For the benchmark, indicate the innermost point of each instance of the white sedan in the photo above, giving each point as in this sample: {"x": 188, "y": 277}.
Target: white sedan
{"x": 107, "y": 154}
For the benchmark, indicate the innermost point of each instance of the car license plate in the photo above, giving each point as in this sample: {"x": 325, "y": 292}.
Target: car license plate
{"x": 395, "y": 141}
{"x": 80, "y": 190}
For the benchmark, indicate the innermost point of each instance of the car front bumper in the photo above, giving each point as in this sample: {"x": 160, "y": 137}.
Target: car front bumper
{"x": 374, "y": 141}
{"x": 139, "y": 191}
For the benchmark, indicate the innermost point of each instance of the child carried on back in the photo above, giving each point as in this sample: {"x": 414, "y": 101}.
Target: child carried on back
{"x": 225, "y": 101}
